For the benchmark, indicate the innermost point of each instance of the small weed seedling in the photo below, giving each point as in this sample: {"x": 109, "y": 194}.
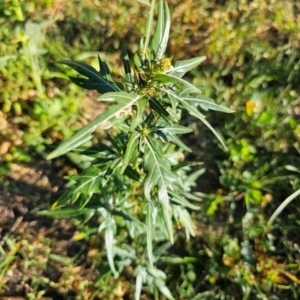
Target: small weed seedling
{"x": 137, "y": 182}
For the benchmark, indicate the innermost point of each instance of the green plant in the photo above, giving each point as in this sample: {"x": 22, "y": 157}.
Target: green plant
{"x": 136, "y": 181}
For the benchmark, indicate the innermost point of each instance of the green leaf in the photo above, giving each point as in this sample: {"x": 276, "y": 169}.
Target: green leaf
{"x": 150, "y": 225}
{"x": 99, "y": 151}
{"x": 123, "y": 100}
{"x": 130, "y": 149}
{"x": 104, "y": 70}
{"x": 138, "y": 63}
{"x": 148, "y": 30}
{"x": 109, "y": 243}
{"x": 175, "y": 139}
{"x": 96, "y": 80}
{"x": 206, "y": 103}
{"x": 178, "y": 199}
{"x": 86, "y": 184}
{"x": 184, "y": 218}
{"x": 191, "y": 179}
{"x": 183, "y": 66}
{"x": 115, "y": 143}
{"x": 186, "y": 164}
{"x": 140, "y": 273}
{"x": 127, "y": 70}
{"x": 159, "y": 30}
{"x": 156, "y": 106}
{"x": 163, "y": 289}
{"x": 163, "y": 43}
{"x": 66, "y": 213}
{"x": 194, "y": 112}
{"x": 169, "y": 78}
{"x": 137, "y": 120}
{"x": 127, "y": 216}
{"x": 282, "y": 206}
{"x": 132, "y": 173}
{"x": 175, "y": 129}
{"x": 159, "y": 174}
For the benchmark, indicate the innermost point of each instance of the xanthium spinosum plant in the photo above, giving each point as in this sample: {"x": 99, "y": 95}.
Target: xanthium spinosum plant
{"x": 137, "y": 180}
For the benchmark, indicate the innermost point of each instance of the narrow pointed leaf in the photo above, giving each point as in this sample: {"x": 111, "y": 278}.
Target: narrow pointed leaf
{"x": 183, "y": 66}
{"x": 138, "y": 283}
{"x": 164, "y": 290}
{"x": 159, "y": 174}
{"x": 130, "y": 149}
{"x": 132, "y": 173}
{"x": 87, "y": 183}
{"x": 185, "y": 218}
{"x": 127, "y": 70}
{"x": 194, "y": 112}
{"x": 165, "y": 37}
{"x": 95, "y": 79}
{"x": 191, "y": 179}
{"x": 159, "y": 30}
{"x": 123, "y": 100}
{"x": 104, "y": 69}
{"x": 156, "y": 106}
{"x": 182, "y": 201}
{"x": 175, "y": 129}
{"x": 150, "y": 225}
{"x": 140, "y": 105}
{"x": 109, "y": 244}
{"x": 166, "y": 78}
{"x": 148, "y": 30}
{"x": 66, "y": 213}
{"x": 175, "y": 139}
{"x": 206, "y": 103}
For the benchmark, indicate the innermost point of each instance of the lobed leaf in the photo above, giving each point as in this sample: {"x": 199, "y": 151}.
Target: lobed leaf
{"x": 194, "y": 112}
{"x": 159, "y": 174}
{"x": 86, "y": 184}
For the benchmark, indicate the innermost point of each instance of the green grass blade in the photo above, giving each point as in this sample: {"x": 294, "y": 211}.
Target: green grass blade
{"x": 159, "y": 174}
{"x": 282, "y": 206}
